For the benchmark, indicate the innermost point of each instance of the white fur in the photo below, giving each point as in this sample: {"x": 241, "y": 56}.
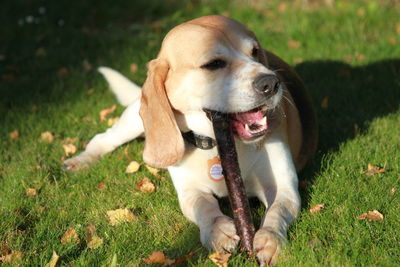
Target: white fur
{"x": 268, "y": 172}
{"x": 125, "y": 90}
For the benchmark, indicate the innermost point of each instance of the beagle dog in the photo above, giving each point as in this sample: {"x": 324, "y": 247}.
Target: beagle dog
{"x": 216, "y": 63}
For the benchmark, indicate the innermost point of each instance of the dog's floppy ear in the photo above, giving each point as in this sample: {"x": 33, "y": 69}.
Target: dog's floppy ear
{"x": 164, "y": 144}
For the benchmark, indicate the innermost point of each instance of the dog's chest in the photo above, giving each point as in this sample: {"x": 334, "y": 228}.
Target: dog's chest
{"x": 202, "y": 170}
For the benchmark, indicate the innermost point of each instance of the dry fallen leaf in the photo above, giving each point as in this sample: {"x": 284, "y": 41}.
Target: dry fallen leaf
{"x": 372, "y": 215}
{"x": 158, "y": 257}
{"x": 391, "y": 40}
{"x": 360, "y": 57}
{"x": 30, "y": 192}
{"x": 70, "y": 236}
{"x": 134, "y": 67}
{"x": 101, "y": 186}
{"x": 12, "y": 257}
{"x": 69, "y": 149}
{"x": 220, "y": 259}
{"x": 119, "y": 216}
{"x": 153, "y": 171}
{"x": 126, "y": 153}
{"x": 86, "y": 65}
{"x": 293, "y": 44}
{"x": 317, "y": 208}
{"x": 392, "y": 191}
{"x": 14, "y": 134}
{"x": 132, "y": 167}
{"x": 53, "y": 261}
{"x": 70, "y": 140}
{"x": 62, "y": 72}
{"x": 145, "y": 185}
{"x": 93, "y": 241}
{"x": 372, "y": 169}
{"x": 282, "y": 7}
{"x": 47, "y": 137}
{"x": 34, "y": 108}
{"x": 107, "y": 111}
{"x": 112, "y": 121}
{"x": 325, "y": 102}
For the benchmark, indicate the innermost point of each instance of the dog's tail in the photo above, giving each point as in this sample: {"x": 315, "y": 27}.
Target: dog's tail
{"x": 125, "y": 90}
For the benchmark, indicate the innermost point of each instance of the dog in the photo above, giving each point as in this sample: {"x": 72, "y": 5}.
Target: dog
{"x": 216, "y": 63}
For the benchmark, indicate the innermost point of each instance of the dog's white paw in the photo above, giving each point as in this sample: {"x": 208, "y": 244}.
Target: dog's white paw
{"x": 222, "y": 236}
{"x": 77, "y": 163}
{"x": 267, "y": 245}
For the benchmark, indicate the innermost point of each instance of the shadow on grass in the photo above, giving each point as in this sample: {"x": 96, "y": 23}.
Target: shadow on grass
{"x": 43, "y": 45}
{"x": 354, "y": 97}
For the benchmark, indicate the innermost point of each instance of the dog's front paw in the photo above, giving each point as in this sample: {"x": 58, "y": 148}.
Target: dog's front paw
{"x": 222, "y": 235}
{"x": 267, "y": 245}
{"x": 77, "y": 163}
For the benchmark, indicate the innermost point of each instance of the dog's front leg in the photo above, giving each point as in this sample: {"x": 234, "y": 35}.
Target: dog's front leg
{"x": 217, "y": 231}
{"x": 280, "y": 196}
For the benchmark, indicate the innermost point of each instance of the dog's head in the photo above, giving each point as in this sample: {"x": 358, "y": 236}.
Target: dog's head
{"x": 208, "y": 63}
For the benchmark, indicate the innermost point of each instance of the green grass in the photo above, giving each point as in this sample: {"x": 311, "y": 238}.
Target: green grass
{"x": 349, "y": 53}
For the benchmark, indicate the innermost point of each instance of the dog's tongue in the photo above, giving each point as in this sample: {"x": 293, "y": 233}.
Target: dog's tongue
{"x": 250, "y": 124}
{"x": 250, "y": 117}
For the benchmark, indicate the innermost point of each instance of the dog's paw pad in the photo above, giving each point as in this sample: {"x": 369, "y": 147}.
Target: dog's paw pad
{"x": 223, "y": 236}
{"x": 267, "y": 245}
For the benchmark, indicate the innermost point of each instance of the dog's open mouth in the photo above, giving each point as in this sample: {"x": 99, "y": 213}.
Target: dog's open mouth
{"x": 250, "y": 124}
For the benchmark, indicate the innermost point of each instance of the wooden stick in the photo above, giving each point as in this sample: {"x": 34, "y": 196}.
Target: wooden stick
{"x": 234, "y": 183}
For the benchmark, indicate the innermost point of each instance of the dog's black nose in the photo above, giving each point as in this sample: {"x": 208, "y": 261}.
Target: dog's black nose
{"x": 266, "y": 84}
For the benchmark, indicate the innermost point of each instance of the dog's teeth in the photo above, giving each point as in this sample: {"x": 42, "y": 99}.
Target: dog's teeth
{"x": 264, "y": 121}
{"x": 247, "y": 127}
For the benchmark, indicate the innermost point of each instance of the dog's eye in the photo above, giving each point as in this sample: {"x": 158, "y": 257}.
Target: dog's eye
{"x": 214, "y": 64}
{"x": 254, "y": 52}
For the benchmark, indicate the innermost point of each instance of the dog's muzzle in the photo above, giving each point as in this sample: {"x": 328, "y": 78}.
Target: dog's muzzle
{"x": 266, "y": 84}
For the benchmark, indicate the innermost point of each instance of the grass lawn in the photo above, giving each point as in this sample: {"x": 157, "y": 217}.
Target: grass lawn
{"x": 348, "y": 55}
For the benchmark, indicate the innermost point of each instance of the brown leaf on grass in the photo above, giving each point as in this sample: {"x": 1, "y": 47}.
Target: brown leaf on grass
{"x": 392, "y": 40}
{"x": 372, "y": 170}
{"x": 325, "y": 102}
{"x": 70, "y": 140}
{"x": 293, "y": 44}
{"x": 30, "y": 192}
{"x": 86, "y": 65}
{"x": 132, "y": 167}
{"x": 62, "y": 72}
{"x": 372, "y": 215}
{"x": 316, "y": 208}
{"x": 153, "y": 171}
{"x": 126, "y": 153}
{"x": 119, "y": 216}
{"x": 145, "y": 185}
{"x": 392, "y": 191}
{"x": 69, "y": 149}
{"x": 361, "y": 12}
{"x": 220, "y": 259}
{"x": 53, "y": 261}
{"x": 14, "y": 135}
{"x": 47, "y": 137}
{"x": 34, "y": 108}
{"x": 107, "y": 111}
{"x": 8, "y": 77}
{"x": 12, "y": 257}
{"x": 158, "y": 257}
{"x": 112, "y": 121}
{"x": 101, "y": 186}
{"x": 90, "y": 91}
{"x": 70, "y": 236}
{"x": 93, "y": 241}
{"x": 360, "y": 57}
{"x": 282, "y": 7}
{"x": 133, "y": 67}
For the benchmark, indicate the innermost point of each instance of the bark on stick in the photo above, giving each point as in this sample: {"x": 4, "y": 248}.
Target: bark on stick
{"x": 230, "y": 166}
